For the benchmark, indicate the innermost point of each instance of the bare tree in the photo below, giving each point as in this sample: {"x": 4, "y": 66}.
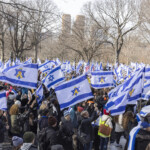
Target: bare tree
{"x": 116, "y": 18}
{"x": 3, "y": 29}
{"x": 30, "y": 23}
{"x": 86, "y": 39}
{"x": 145, "y": 20}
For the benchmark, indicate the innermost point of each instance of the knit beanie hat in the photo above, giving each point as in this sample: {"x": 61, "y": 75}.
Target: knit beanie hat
{"x": 66, "y": 113}
{"x": 28, "y": 137}
{"x": 17, "y": 141}
{"x": 105, "y": 112}
{"x": 80, "y": 109}
{"x": 52, "y": 120}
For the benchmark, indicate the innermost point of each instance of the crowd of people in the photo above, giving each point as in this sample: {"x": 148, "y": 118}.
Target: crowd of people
{"x": 85, "y": 126}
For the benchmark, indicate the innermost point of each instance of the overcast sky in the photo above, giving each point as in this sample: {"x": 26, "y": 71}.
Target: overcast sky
{"x": 71, "y": 6}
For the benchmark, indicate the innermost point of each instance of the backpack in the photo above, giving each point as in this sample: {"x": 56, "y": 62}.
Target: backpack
{"x": 82, "y": 137}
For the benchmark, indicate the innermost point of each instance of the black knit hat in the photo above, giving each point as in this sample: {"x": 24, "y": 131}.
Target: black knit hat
{"x": 52, "y": 120}
{"x": 28, "y": 137}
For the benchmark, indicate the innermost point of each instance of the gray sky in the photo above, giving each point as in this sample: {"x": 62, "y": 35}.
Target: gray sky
{"x": 71, "y": 6}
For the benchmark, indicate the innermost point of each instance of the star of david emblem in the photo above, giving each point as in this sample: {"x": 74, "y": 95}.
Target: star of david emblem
{"x": 75, "y": 91}
{"x": 102, "y": 79}
{"x": 19, "y": 73}
{"x": 131, "y": 92}
{"x": 51, "y": 78}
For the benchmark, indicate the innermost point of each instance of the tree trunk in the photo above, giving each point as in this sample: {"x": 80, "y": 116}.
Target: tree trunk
{"x": 36, "y": 52}
{"x": 117, "y": 56}
{"x": 3, "y": 47}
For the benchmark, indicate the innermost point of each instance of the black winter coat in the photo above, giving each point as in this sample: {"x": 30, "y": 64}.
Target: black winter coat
{"x": 33, "y": 147}
{"x": 43, "y": 122}
{"x": 2, "y": 130}
{"x": 52, "y": 136}
{"x": 66, "y": 132}
{"x": 142, "y": 140}
{"x": 86, "y": 126}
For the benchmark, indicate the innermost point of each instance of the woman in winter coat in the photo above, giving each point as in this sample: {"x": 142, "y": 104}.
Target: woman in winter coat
{"x": 15, "y": 128}
{"x": 119, "y": 131}
{"x": 128, "y": 124}
{"x": 143, "y": 137}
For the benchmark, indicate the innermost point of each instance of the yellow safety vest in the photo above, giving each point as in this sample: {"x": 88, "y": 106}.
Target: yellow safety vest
{"x": 100, "y": 134}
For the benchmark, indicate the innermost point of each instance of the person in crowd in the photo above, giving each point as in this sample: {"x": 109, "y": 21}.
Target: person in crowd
{"x": 28, "y": 141}
{"x": 66, "y": 131}
{"x": 49, "y": 136}
{"x": 43, "y": 122}
{"x": 119, "y": 131}
{"x": 143, "y": 136}
{"x": 87, "y": 129}
{"x": 17, "y": 142}
{"x": 128, "y": 123}
{"x": 2, "y": 127}
{"x": 15, "y": 128}
{"x": 107, "y": 121}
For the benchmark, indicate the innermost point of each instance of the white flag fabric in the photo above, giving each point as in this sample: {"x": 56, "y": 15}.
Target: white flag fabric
{"x": 146, "y": 89}
{"x": 127, "y": 93}
{"x": 47, "y": 66}
{"x": 21, "y": 75}
{"x": 102, "y": 79}
{"x": 74, "y": 91}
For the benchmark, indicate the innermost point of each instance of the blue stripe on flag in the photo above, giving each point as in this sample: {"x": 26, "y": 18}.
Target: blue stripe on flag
{"x": 76, "y": 99}
{"x": 17, "y": 82}
{"x": 119, "y": 109}
{"x": 102, "y": 73}
{"x": 103, "y": 85}
{"x": 45, "y": 64}
{"x": 147, "y": 85}
{"x": 147, "y": 77}
{"x": 144, "y": 96}
{"x": 71, "y": 83}
{"x": 55, "y": 69}
{"x": 53, "y": 83}
{"x": 119, "y": 100}
{"x": 136, "y": 97}
{"x": 3, "y": 95}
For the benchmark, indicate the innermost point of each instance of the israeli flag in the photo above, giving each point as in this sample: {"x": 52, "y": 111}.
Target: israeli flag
{"x": 29, "y": 61}
{"x": 54, "y": 77}
{"x": 127, "y": 93}
{"x": 7, "y": 64}
{"x": 3, "y": 101}
{"x": 58, "y": 62}
{"x": 146, "y": 89}
{"x": 47, "y": 66}
{"x": 78, "y": 67}
{"x": 21, "y": 75}
{"x": 101, "y": 66}
{"x": 102, "y": 79}
{"x": 74, "y": 91}
{"x": 39, "y": 61}
{"x": 39, "y": 94}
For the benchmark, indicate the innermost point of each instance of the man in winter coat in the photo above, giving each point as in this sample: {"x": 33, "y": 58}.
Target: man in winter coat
{"x": 66, "y": 131}
{"x": 28, "y": 141}
{"x": 51, "y": 133}
{"x": 86, "y": 128}
{"x": 43, "y": 122}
